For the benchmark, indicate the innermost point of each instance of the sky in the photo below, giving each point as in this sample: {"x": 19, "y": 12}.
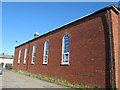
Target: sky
{"x": 21, "y": 20}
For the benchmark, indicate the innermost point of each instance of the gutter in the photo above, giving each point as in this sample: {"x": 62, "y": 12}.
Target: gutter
{"x": 116, "y": 9}
{"x": 111, "y": 54}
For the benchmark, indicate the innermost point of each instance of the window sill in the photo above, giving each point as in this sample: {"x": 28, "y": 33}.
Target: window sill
{"x": 44, "y": 64}
{"x": 64, "y": 64}
{"x": 32, "y": 63}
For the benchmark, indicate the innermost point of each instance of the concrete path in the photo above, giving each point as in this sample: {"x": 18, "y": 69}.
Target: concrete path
{"x": 15, "y": 80}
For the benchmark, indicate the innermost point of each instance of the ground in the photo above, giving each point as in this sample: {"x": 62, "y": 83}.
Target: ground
{"x": 16, "y": 80}
{"x": 0, "y": 82}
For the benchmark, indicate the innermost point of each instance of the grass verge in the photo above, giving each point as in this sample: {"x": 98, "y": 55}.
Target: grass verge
{"x": 57, "y": 81}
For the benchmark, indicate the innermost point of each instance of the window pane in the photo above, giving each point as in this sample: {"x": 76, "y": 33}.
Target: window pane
{"x": 66, "y": 47}
{"x": 46, "y": 58}
{"x": 34, "y": 49}
{"x": 47, "y": 45}
{"x": 33, "y": 55}
{"x": 46, "y": 48}
{"x": 19, "y": 56}
{"x": 25, "y": 55}
{"x": 33, "y": 59}
{"x": 66, "y": 43}
{"x": 65, "y": 56}
{"x": 46, "y": 52}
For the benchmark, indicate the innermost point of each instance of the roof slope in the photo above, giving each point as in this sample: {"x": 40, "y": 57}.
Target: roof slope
{"x": 115, "y": 8}
{"x": 6, "y": 56}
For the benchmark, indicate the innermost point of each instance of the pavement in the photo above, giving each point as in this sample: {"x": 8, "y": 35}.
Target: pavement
{"x": 15, "y": 80}
{"x": 0, "y": 82}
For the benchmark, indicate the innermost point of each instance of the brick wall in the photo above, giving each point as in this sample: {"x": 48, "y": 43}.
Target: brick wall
{"x": 89, "y": 53}
{"x": 20, "y": 66}
{"x": 114, "y": 23}
{"x": 119, "y": 51}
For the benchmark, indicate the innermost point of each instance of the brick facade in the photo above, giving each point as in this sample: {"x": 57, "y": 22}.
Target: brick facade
{"x": 89, "y": 52}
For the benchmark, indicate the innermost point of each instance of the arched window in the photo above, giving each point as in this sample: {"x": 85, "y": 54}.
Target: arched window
{"x": 46, "y": 49}
{"x": 19, "y": 56}
{"x": 33, "y": 54}
{"x": 65, "y": 49}
{"x": 25, "y": 55}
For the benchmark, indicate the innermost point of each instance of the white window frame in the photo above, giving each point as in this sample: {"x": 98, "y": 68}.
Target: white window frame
{"x": 25, "y": 55}
{"x": 63, "y": 53}
{"x": 33, "y": 55}
{"x": 19, "y": 56}
{"x": 45, "y": 53}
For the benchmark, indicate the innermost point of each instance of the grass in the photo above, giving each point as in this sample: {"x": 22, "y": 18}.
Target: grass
{"x": 57, "y": 81}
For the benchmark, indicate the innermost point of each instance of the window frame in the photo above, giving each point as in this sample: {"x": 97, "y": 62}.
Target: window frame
{"x": 25, "y": 55}
{"x": 33, "y": 54}
{"x": 64, "y": 53}
{"x": 45, "y": 55}
{"x": 19, "y": 56}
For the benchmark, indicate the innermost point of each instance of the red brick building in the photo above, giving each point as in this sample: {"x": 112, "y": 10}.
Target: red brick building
{"x": 84, "y": 51}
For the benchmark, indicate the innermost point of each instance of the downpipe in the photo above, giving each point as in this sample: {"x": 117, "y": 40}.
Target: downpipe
{"x": 111, "y": 55}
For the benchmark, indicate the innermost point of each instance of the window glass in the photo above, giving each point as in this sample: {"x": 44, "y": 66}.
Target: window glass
{"x": 25, "y": 55}
{"x": 66, "y": 43}
{"x": 65, "y": 49}
{"x": 19, "y": 56}
{"x": 33, "y": 54}
{"x": 46, "y": 48}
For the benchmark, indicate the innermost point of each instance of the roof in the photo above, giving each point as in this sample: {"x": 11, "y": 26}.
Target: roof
{"x": 115, "y": 8}
{"x": 6, "y": 56}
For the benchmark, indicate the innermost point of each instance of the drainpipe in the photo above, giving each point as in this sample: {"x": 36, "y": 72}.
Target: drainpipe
{"x": 28, "y": 56}
{"x": 111, "y": 55}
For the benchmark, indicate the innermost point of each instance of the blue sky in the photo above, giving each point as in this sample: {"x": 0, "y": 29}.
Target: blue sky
{"x": 20, "y": 20}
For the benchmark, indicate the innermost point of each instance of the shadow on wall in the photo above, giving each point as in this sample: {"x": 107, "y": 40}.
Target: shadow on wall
{"x": 107, "y": 52}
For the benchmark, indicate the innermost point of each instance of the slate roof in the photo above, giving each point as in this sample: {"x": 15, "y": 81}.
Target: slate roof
{"x": 6, "y": 56}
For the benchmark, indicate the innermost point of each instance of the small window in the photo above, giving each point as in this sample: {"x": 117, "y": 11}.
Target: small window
{"x": 25, "y": 55}
{"x": 46, "y": 49}
{"x": 19, "y": 56}
{"x": 65, "y": 49}
{"x": 33, "y": 55}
